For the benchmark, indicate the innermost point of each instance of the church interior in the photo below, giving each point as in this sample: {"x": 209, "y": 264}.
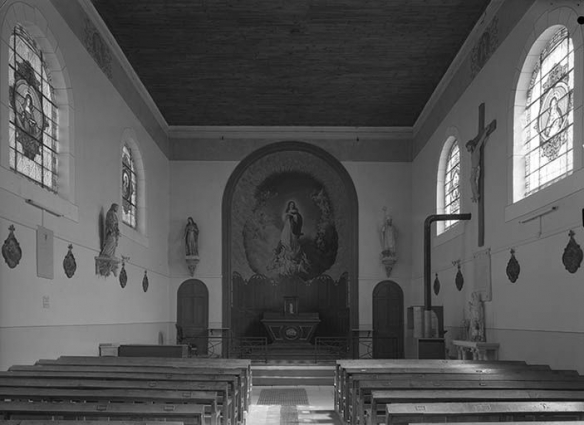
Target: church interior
{"x": 355, "y": 179}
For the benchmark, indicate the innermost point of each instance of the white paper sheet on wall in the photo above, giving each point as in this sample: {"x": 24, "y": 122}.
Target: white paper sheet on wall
{"x": 482, "y": 274}
{"x": 45, "y": 253}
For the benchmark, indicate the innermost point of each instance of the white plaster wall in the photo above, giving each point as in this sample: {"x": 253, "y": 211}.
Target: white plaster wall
{"x": 196, "y": 190}
{"x": 381, "y": 185}
{"x": 539, "y": 318}
{"x": 85, "y": 310}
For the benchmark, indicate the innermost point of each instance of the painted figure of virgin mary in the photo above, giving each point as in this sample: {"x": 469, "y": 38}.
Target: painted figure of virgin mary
{"x": 292, "y": 229}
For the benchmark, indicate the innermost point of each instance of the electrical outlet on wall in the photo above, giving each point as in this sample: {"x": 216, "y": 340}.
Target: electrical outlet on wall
{"x": 46, "y": 301}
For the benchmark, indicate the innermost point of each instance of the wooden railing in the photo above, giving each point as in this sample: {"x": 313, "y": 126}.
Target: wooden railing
{"x": 324, "y": 348}
{"x": 355, "y": 347}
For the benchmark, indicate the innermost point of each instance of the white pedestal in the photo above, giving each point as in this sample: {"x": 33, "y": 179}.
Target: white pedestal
{"x": 474, "y": 350}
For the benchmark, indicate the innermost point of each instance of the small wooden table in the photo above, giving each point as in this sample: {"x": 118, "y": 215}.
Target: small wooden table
{"x": 476, "y": 350}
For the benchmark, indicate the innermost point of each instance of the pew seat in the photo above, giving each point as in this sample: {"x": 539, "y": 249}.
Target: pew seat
{"x": 370, "y": 414}
{"x": 190, "y": 414}
{"x": 406, "y": 413}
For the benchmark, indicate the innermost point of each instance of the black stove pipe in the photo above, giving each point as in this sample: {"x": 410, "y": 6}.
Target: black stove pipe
{"x": 428, "y": 251}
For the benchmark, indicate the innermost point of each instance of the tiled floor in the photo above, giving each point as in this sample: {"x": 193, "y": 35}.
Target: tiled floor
{"x": 320, "y": 409}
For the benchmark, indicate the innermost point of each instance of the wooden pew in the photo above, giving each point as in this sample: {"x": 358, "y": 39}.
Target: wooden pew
{"x": 367, "y": 387}
{"x": 432, "y": 396}
{"x": 506, "y": 423}
{"x": 187, "y": 413}
{"x": 363, "y": 384}
{"x": 346, "y": 369}
{"x": 152, "y": 350}
{"x": 235, "y": 391}
{"x": 187, "y": 388}
{"x": 81, "y": 422}
{"x": 224, "y": 386}
{"x": 343, "y": 367}
{"x": 229, "y": 365}
{"x": 207, "y": 399}
{"x": 401, "y": 413}
{"x": 179, "y": 368}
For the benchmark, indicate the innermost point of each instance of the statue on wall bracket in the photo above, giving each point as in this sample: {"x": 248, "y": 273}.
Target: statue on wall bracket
{"x": 107, "y": 263}
{"x": 388, "y": 247}
{"x": 11, "y": 249}
{"x": 192, "y": 245}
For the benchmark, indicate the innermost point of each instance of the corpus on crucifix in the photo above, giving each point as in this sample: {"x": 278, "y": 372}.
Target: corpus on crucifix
{"x": 476, "y": 149}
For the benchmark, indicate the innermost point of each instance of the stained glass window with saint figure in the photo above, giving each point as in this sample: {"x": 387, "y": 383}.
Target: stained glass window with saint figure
{"x": 33, "y": 115}
{"x": 451, "y": 184}
{"x": 129, "y": 187}
{"x": 548, "y": 116}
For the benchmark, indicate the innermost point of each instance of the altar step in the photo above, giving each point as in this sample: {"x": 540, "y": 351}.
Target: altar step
{"x": 293, "y": 374}
{"x": 301, "y": 351}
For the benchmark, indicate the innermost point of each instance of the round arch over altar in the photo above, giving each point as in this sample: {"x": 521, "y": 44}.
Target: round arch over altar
{"x": 290, "y": 231}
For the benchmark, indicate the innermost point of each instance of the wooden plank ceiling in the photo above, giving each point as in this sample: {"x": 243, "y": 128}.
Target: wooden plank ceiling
{"x": 290, "y": 62}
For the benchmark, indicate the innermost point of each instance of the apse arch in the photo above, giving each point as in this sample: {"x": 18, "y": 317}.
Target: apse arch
{"x": 256, "y": 196}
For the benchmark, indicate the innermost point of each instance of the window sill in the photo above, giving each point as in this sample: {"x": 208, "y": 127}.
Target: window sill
{"x": 22, "y": 187}
{"x": 546, "y": 196}
{"x": 456, "y": 230}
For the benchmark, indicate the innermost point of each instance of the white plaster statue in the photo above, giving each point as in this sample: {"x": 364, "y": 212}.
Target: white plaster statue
{"x": 191, "y": 238}
{"x": 476, "y": 321}
{"x": 112, "y": 232}
{"x": 387, "y": 235}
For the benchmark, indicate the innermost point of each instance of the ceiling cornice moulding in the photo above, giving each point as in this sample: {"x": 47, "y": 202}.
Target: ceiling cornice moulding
{"x": 293, "y": 132}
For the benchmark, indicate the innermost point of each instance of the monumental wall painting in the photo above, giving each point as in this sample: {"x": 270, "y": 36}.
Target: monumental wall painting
{"x": 290, "y": 236}
{"x": 291, "y": 230}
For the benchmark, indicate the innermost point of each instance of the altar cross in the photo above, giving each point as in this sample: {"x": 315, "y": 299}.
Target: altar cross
{"x": 477, "y": 176}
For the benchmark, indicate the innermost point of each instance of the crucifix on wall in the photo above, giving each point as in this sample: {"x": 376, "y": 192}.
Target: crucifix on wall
{"x": 477, "y": 176}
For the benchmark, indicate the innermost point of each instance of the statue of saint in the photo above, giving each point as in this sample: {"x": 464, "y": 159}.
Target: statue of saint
{"x": 387, "y": 235}
{"x": 476, "y": 321}
{"x": 112, "y": 232}
{"x": 191, "y": 238}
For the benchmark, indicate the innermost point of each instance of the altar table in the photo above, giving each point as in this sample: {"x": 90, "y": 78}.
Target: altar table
{"x": 290, "y": 328}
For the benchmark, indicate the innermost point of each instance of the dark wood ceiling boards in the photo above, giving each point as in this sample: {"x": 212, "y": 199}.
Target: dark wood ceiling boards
{"x": 290, "y": 62}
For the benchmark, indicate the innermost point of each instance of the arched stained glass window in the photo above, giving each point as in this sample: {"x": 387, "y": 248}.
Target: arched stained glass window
{"x": 451, "y": 184}
{"x": 548, "y": 116}
{"x": 129, "y": 187}
{"x": 33, "y": 120}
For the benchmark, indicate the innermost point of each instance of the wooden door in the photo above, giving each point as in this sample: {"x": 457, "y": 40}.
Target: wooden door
{"x": 388, "y": 321}
{"x": 192, "y": 314}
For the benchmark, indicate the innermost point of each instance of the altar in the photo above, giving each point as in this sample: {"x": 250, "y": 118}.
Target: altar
{"x": 290, "y": 328}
